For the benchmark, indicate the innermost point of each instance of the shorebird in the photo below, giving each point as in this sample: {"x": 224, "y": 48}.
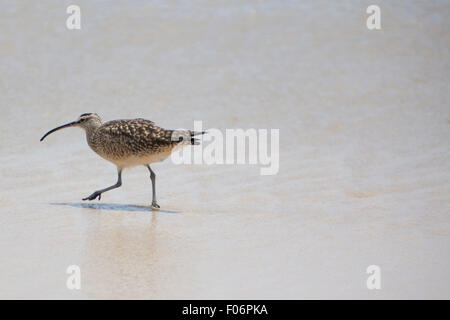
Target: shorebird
{"x": 129, "y": 143}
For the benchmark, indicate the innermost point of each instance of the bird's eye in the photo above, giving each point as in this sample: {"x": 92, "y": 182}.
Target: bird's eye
{"x": 82, "y": 120}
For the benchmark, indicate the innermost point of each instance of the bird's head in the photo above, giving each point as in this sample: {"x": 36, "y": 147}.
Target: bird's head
{"x": 85, "y": 121}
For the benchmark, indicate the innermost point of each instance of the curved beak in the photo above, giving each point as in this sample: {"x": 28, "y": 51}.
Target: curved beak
{"x": 60, "y": 127}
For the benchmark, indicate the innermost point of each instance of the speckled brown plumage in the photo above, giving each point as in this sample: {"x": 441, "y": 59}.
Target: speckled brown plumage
{"x": 134, "y": 141}
{"x": 135, "y": 137}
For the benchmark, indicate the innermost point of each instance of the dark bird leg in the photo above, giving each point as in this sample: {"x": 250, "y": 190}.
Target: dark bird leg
{"x": 153, "y": 177}
{"x": 98, "y": 193}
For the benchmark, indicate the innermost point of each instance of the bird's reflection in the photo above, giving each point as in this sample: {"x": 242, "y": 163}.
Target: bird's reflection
{"x": 127, "y": 255}
{"x": 112, "y": 206}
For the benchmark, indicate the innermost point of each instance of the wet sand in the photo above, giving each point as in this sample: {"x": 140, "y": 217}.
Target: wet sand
{"x": 364, "y": 173}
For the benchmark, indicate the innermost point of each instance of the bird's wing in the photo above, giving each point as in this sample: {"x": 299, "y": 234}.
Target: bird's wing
{"x": 136, "y": 135}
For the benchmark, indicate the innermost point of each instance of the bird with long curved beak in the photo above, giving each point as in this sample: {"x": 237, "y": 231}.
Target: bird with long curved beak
{"x": 129, "y": 143}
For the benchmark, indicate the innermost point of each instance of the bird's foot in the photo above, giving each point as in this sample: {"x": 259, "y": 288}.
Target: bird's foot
{"x": 155, "y": 206}
{"x": 93, "y": 196}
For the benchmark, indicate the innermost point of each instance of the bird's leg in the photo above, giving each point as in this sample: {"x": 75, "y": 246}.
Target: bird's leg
{"x": 98, "y": 193}
{"x": 153, "y": 177}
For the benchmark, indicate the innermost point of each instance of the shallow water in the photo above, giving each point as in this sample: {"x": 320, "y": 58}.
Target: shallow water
{"x": 364, "y": 150}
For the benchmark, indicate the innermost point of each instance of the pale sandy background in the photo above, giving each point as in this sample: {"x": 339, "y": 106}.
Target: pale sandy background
{"x": 364, "y": 121}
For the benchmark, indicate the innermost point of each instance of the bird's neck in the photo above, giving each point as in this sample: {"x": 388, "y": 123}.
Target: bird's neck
{"x": 90, "y": 131}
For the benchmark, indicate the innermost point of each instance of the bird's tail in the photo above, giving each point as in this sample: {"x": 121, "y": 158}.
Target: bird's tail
{"x": 186, "y": 137}
{"x": 195, "y": 141}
